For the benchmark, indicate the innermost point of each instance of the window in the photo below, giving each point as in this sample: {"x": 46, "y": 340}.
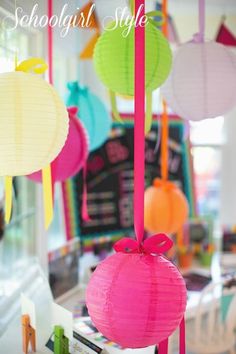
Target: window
{"x": 19, "y": 240}
{"x": 207, "y": 138}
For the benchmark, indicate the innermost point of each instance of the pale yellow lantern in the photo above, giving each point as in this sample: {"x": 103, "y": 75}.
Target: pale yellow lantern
{"x": 33, "y": 127}
{"x": 33, "y": 121}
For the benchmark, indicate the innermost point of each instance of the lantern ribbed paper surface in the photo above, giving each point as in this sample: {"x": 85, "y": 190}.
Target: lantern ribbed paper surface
{"x": 136, "y": 300}
{"x": 34, "y": 123}
{"x": 202, "y": 83}
{"x": 166, "y": 207}
{"x": 74, "y": 154}
{"x": 92, "y": 113}
{"x": 114, "y": 59}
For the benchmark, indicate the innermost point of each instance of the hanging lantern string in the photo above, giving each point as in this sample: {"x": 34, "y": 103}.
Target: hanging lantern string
{"x": 201, "y": 5}
{"x": 50, "y": 43}
{"x": 164, "y": 119}
{"x": 46, "y": 172}
{"x": 132, "y": 6}
{"x": 38, "y": 66}
{"x": 164, "y": 142}
{"x": 139, "y": 125}
{"x": 8, "y": 179}
{"x": 163, "y": 346}
{"x": 8, "y": 198}
{"x": 199, "y": 37}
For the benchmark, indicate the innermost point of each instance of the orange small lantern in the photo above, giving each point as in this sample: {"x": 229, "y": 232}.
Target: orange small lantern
{"x": 166, "y": 207}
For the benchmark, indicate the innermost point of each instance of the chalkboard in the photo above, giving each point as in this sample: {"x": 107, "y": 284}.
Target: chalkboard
{"x": 110, "y": 181}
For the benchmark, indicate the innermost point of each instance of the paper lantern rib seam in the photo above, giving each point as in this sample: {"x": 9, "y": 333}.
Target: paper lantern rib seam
{"x": 154, "y": 285}
{"x": 114, "y": 64}
{"x": 17, "y": 121}
{"x": 111, "y": 294}
{"x": 28, "y": 125}
{"x": 145, "y": 310}
{"x": 205, "y": 82}
{"x": 58, "y": 129}
{"x": 171, "y": 211}
{"x": 157, "y": 62}
{"x": 129, "y": 62}
{"x": 201, "y": 84}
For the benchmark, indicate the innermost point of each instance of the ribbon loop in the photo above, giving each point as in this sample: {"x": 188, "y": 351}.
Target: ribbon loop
{"x": 126, "y": 245}
{"x": 156, "y": 14}
{"x": 157, "y": 244}
{"x": 197, "y": 38}
{"x": 73, "y": 86}
{"x": 72, "y": 110}
{"x": 167, "y": 185}
{"x": 33, "y": 65}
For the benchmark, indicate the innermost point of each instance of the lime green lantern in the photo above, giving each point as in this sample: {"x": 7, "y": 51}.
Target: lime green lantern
{"x": 114, "y": 62}
{"x": 114, "y": 59}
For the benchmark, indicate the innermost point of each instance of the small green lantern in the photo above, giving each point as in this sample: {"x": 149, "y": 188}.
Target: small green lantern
{"x": 114, "y": 59}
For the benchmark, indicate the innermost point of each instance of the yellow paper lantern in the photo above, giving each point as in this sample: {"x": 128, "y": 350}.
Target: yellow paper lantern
{"x": 34, "y": 126}
{"x": 34, "y": 123}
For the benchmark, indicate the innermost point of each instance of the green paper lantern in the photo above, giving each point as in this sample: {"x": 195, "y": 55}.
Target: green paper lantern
{"x": 114, "y": 59}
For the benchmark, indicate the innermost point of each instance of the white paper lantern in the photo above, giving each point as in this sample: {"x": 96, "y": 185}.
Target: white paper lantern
{"x": 33, "y": 121}
{"x": 202, "y": 83}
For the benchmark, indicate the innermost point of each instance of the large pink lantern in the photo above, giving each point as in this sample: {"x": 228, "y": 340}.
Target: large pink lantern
{"x": 74, "y": 154}
{"x": 202, "y": 83}
{"x": 137, "y": 297}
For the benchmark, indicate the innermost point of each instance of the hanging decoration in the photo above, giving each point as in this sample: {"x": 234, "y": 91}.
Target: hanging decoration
{"x": 87, "y": 52}
{"x": 130, "y": 294}
{"x": 173, "y": 36}
{"x": 136, "y": 297}
{"x": 224, "y": 35}
{"x": 88, "y": 12}
{"x": 34, "y": 124}
{"x": 202, "y": 81}
{"x": 114, "y": 59}
{"x": 92, "y": 113}
{"x": 166, "y": 207}
{"x": 114, "y": 62}
{"x": 73, "y": 156}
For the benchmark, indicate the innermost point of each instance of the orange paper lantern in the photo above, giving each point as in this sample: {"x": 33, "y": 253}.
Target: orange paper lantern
{"x": 166, "y": 207}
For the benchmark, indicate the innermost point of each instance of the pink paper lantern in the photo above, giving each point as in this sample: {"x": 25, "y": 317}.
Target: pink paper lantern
{"x": 73, "y": 155}
{"x": 137, "y": 299}
{"x": 202, "y": 83}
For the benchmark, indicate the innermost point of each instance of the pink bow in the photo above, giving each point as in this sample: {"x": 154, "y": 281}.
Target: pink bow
{"x": 166, "y": 185}
{"x": 197, "y": 38}
{"x": 73, "y": 110}
{"x": 156, "y": 244}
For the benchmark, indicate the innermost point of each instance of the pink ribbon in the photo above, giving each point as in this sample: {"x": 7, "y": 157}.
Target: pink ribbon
{"x": 84, "y": 210}
{"x": 156, "y": 244}
{"x": 182, "y": 346}
{"x": 85, "y": 214}
{"x": 163, "y": 347}
{"x": 72, "y": 110}
{"x": 139, "y": 123}
{"x": 199, "y": 37}
{"x": 50, "y": 43}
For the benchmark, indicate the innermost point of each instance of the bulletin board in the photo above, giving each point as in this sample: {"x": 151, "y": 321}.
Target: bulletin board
{"x": 110, "y": 181}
